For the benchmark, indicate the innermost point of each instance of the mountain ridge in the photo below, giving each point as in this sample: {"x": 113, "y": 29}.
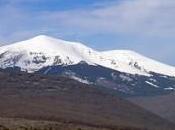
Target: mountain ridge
{"x": 42, "y": 51}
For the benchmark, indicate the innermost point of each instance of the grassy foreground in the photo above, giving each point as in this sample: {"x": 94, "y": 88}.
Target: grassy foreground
{"x": 23, "y": 124}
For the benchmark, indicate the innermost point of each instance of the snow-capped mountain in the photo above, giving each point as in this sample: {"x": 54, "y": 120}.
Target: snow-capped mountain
{"x": 41, "y": 51}
{"x": 125, "y": 71}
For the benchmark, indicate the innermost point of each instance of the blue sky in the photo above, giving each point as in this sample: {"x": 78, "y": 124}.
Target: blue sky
{"x": 145, "y": 26}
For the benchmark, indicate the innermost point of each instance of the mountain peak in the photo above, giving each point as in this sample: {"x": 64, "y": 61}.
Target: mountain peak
{"x": 74, "y": 52}
{"x": 44, "y": 38}
{"x": 58, "y": 42}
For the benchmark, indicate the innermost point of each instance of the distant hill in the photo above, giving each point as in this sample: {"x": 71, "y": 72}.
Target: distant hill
{"x": 162, "y": 105}
{"x": 53, "y": 98}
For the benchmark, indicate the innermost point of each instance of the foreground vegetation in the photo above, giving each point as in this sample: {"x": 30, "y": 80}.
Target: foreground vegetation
{"x": 21, "y": 124}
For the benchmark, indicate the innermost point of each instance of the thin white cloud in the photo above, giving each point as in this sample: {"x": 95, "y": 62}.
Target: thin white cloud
{"x": 135, "y": 17}
{"x": 146, "y": 17}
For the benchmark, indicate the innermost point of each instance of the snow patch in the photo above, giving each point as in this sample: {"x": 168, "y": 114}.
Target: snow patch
{"x": 169, "y": 88}
{"x": 125, "y": 78}
{"x": 153, "y": 80}
{"x": 156, "y": 86}
{"x": 80, "y": 80}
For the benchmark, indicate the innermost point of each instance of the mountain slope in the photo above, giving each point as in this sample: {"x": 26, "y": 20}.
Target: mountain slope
{"x": 55, "y": 98}
{"x": 42, "y": 51}
{"x": 162, "y": 105}
{"x": 115, "y": 81}
{"x": 140, "y": 62}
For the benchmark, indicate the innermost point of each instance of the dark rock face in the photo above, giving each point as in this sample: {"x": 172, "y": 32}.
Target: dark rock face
{"x": 126, "y": 84}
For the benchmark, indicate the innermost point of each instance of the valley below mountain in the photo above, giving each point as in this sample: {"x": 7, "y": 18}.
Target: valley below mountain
{"x": 26, "y": 97}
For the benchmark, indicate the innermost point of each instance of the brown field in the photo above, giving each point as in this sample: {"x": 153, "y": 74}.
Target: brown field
{"x": 40, "y": 102}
